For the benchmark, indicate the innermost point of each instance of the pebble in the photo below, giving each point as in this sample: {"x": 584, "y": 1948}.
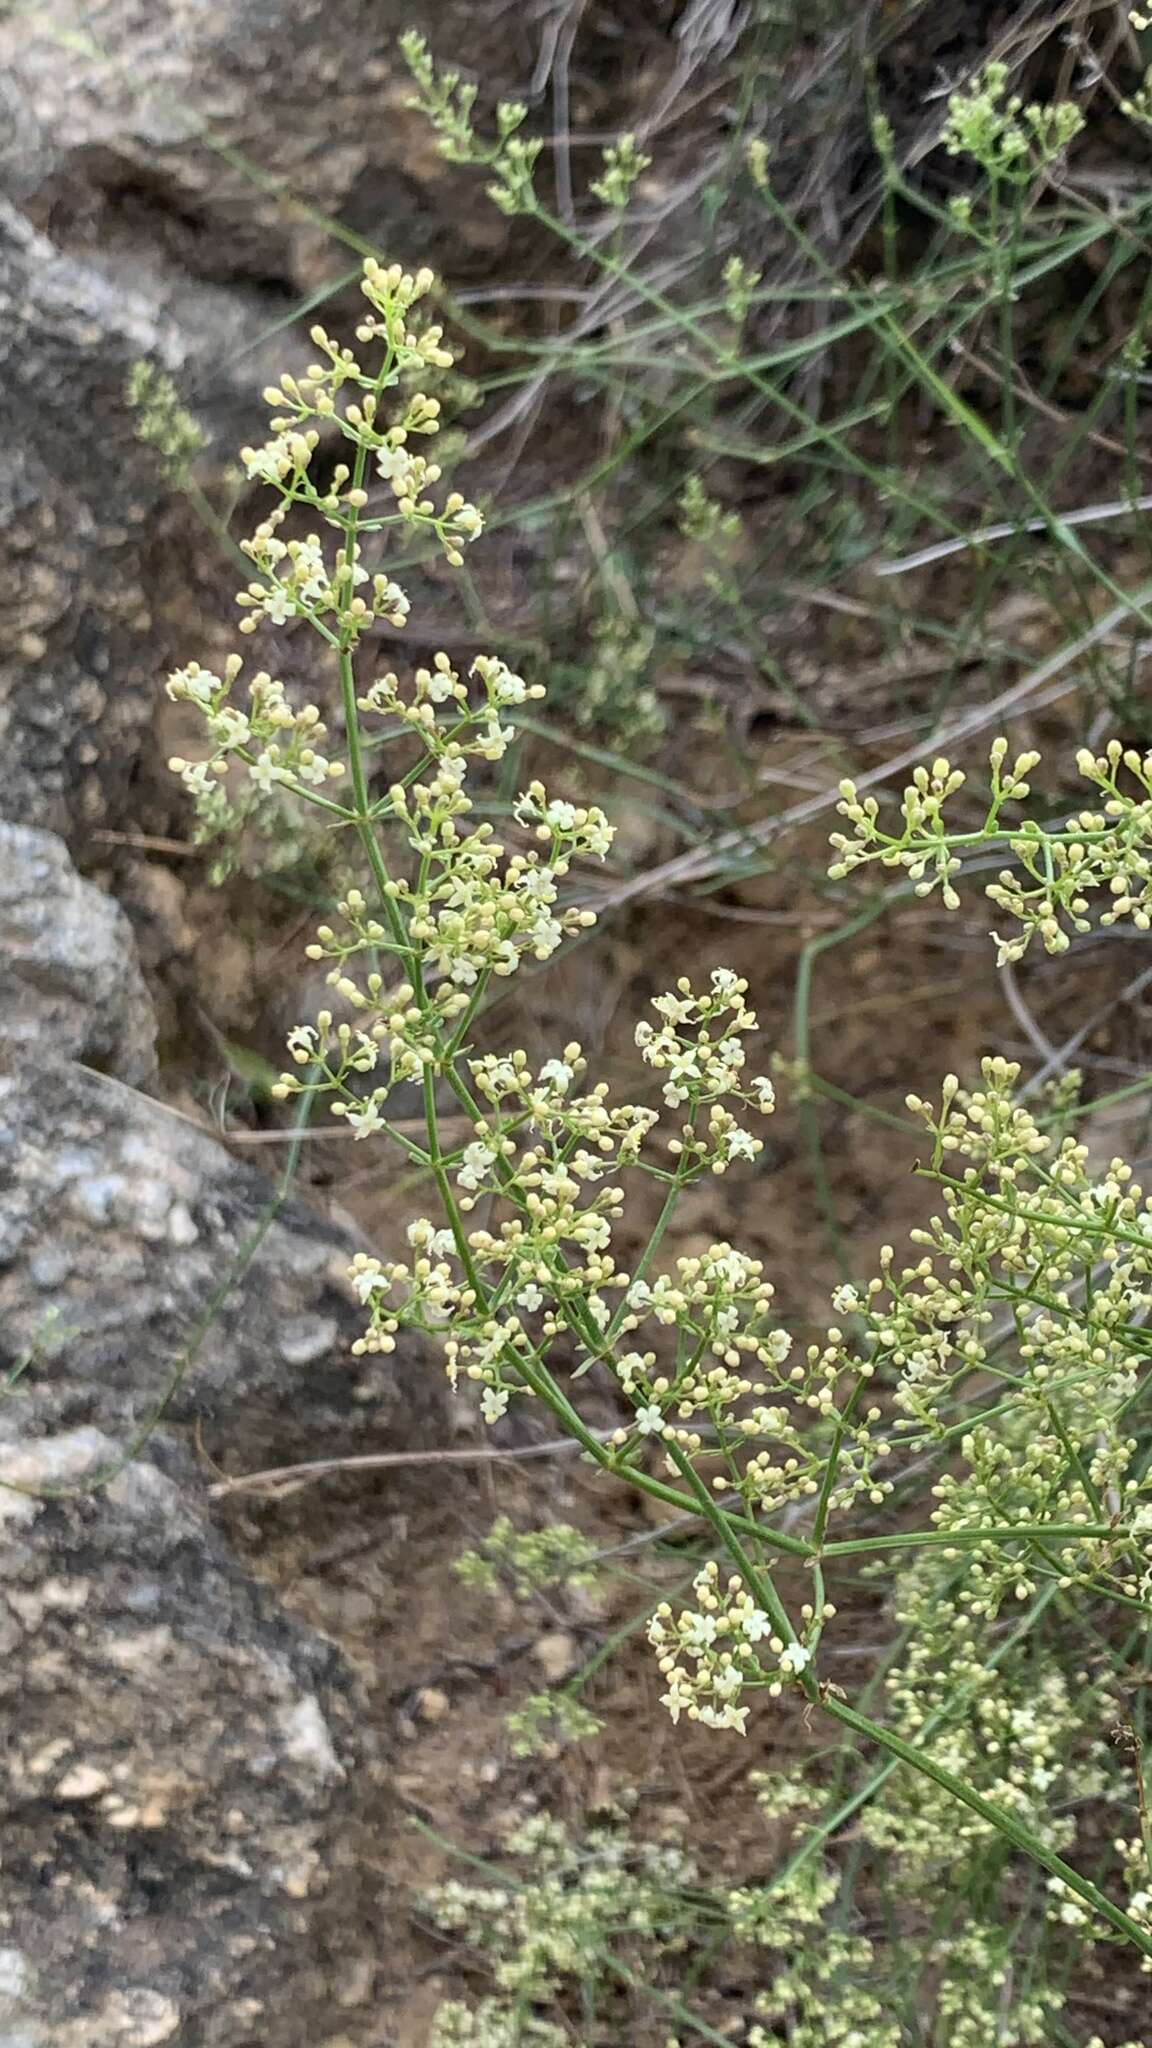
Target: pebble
{"x": 308, "y": 1338}
{"x": 557, "y": 1655}
{"x": 83, "y": 1781}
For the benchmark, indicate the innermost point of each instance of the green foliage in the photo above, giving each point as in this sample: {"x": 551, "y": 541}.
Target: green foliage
{"x": 528, "y": 1560}
{"x": 546, "y": 1722}
{"x": 162, "y": 422}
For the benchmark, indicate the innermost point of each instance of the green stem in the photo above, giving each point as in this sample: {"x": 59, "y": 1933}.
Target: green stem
{"x": 1005, "y": 1823}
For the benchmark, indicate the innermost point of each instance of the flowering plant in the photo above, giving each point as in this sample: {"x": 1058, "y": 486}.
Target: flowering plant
{"x": 1005, "y": 1354}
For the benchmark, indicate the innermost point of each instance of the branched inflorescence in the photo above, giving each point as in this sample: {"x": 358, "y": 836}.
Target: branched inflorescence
{"x": 1004, "y": 1356}
{"x": 1059, "y": 870}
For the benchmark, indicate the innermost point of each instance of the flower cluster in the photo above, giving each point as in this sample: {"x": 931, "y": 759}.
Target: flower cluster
{"x": 740, "y": 286}
{"x": 465, "y": 911}
{"x": 296, "y": 580}
{"x": 493, "y": 2023}
{"x": 1042, "y": 1261}
{"x": 161, "y": 421}
{"x": 447, "y": 101}
{"x": 272, "y": 746}
{"x": 565, "y": 1902}
{"x": 820, "y": 1994}
{"x": 1006, "y": 1724}
{"x": 546, "y": 1723}
{"x": 738, "y": 1388}
{"x": 710, "y": 1655}
{"x": 1058, "y": 871}
{"x": 611, "y": 686}
{"x": 1008, "y": 139}
{"x": 699, "y": 1047}
{"x": 623, "y": 164}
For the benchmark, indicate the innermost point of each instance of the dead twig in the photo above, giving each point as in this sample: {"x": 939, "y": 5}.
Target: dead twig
{"x": 280, "y": 1480}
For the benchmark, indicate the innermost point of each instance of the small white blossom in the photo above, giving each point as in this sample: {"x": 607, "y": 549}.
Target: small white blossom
{"x": 365, "y": 1122}
{"x": 795, "y": 1658}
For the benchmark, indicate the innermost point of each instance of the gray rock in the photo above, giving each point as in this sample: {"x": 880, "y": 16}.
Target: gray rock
{"x": 120, "y": 1224}
{"x": 191, "y": 1804}
{"x": 185, "y": 1778}
{"x": 184, "y": 126}
{"x": 71, "y": 987}
{"x": 78, "y": 496}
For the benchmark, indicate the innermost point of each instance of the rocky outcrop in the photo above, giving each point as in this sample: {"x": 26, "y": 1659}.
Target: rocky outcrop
{"x": 188, "y": 127}
{"x": 186, "y": 1777}
{"x": 78, "y": 494}
{"x": 121, "y": 1223}
{"x": 184, "y": 1780}
{"x": 71, "y": 988}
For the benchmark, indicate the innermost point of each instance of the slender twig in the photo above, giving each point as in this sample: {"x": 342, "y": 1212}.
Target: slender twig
{"x": 289, "y": 1478}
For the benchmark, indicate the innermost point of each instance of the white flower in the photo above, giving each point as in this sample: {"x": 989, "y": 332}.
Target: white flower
{"x": 740, "y": 1144}
{"x": 598, "y": 834}
{"x": 278, "y": 605}
{"x": 530, "y": 1297}
{"x": 755, "y": 1624}
{"x": 493, "y": 1403}
{"x": 595, "y": 1232}
{"x": 630, "y": 1368}
{"x": 393, "y": 463}
{"x": 366, "y": 1121}
{"x": 393, "y": 604}
{"x": 265, "y": 772}
{"x": 845, "y": 1300}
{"x": 270, "y": 463}
{"x": 765, "y": 1095}
{"x": 545, "y": 935}
{"x": 561, "y": 816}
{"x": 367, "y": 1280}
{"x": 474, "y": 1164}
{"x": 728, "y": 1717}
{"x": 230, "y": 727}
{"x": 698, "y": 1633}
{"x": 195, "y": 684}
{"x": 795, "y": 1658}
{"x": 301, "y": 1041}
{"x": 649, "y": 1421}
